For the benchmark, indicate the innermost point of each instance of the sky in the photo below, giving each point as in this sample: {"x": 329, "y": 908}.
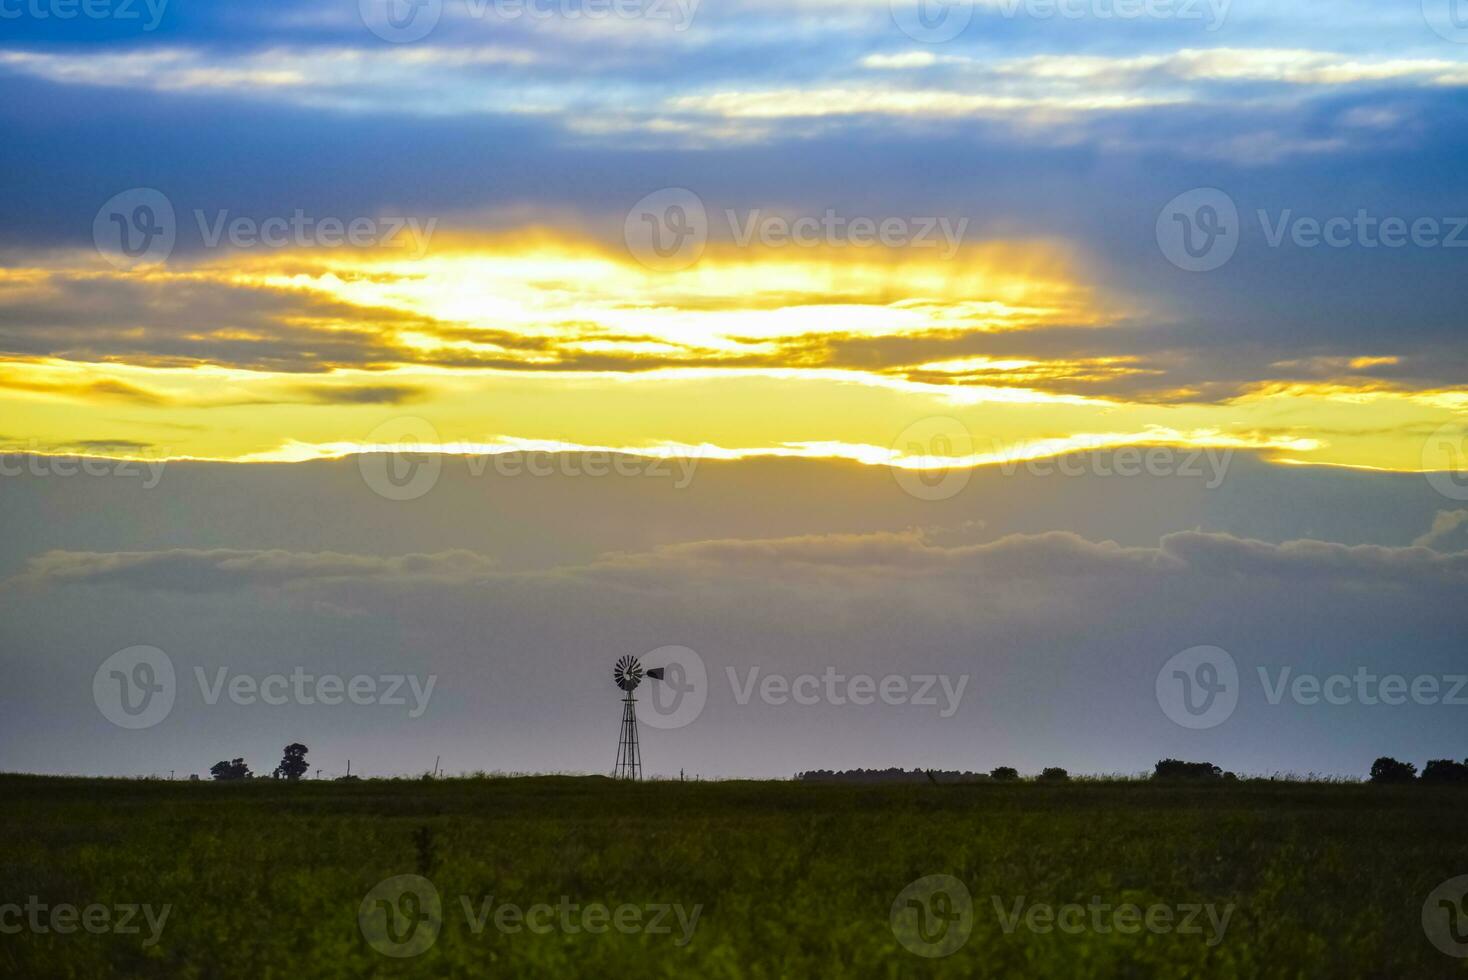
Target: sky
{"x": 1022, "y": 344}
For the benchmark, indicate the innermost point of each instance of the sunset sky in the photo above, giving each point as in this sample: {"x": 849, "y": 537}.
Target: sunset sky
{"x": 990, "y": 271}
{"x": 519, "y": 144}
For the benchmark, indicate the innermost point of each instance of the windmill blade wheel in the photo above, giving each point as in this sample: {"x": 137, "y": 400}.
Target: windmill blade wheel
{"x": 627, "y": 673}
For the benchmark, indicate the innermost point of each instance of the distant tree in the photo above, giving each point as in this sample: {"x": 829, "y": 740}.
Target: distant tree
{"x": 1176, "y": 769}
{"x": 1388, "y": 770}
{"x": 293, "y": 765}
{"x": 1054, "y": 774}
{"x": 230, "y": 770}
{"x": 1004, "y": 774}
{"x": 1445, "y": 771}
{"x": 892, "y": 775}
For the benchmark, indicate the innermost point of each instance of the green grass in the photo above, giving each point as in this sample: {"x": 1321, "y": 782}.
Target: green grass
{"x": 266, "y": 879}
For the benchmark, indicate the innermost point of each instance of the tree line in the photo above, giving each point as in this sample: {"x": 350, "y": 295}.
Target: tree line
{"x": 1383, "y": 770}
{"x": 292, "y": 766}
{"x": 1439, "y": 771}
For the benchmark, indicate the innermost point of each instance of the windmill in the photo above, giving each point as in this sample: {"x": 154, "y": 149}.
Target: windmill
{"x": 628, "y": 673}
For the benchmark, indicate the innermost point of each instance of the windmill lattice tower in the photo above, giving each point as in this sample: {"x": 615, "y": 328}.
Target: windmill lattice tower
{"x": 628, "y": 673}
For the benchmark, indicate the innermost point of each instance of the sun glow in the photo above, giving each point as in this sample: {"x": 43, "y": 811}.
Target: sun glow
{"x": 553, "y": 341}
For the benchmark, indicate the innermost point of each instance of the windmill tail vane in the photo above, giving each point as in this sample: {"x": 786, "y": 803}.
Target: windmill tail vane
{"x": 628, "y": 673}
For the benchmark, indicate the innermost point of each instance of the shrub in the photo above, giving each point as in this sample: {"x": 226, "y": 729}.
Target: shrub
{"x": 1004, "y": 774}
{"x": 1176, "y": 769}
{"x": 1054, "y": 774}
{"x": 1445, "y": 771}
{"x": 230, "y": 770}
{"x": 1388, "y": 770}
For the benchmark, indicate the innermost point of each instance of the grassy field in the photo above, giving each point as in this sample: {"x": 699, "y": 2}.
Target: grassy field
{"x": 753, "y": 879}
